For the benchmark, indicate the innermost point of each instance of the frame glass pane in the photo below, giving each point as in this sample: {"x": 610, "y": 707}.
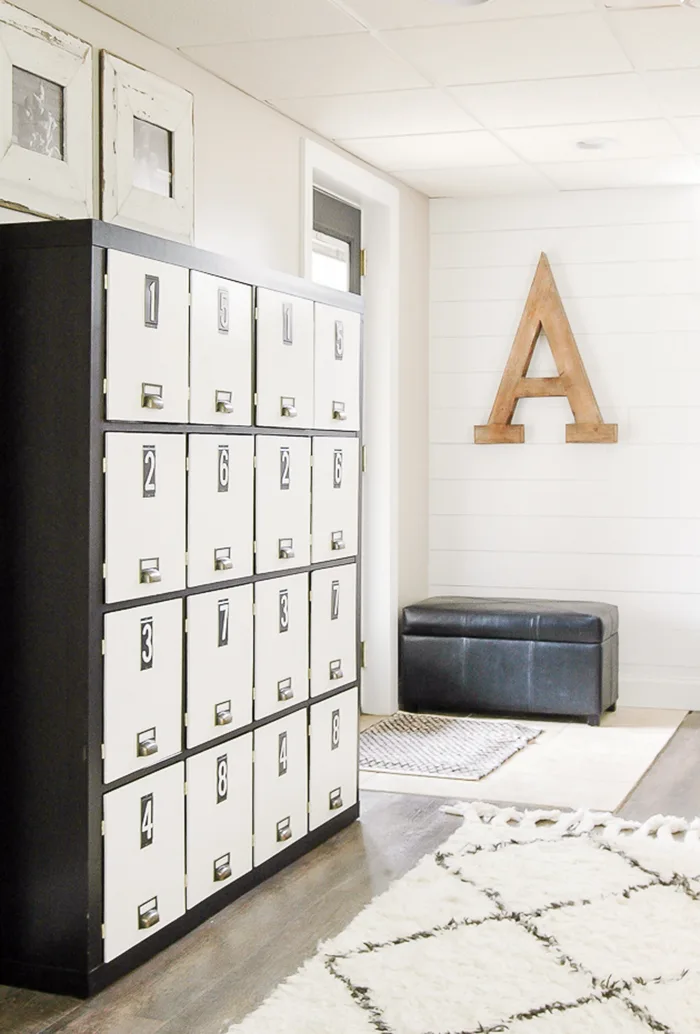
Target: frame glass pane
{"x": 37, "y": 114}
{"x": 153, "y": 158}
{"x": 330, "y": 261}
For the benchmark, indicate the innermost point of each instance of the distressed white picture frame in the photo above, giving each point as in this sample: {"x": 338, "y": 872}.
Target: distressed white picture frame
{"x": 129, "y": 92}
{"x": 30, "y": 181}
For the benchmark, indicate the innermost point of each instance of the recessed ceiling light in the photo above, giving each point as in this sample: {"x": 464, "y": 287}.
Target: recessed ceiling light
{"x": 595, "y": 143}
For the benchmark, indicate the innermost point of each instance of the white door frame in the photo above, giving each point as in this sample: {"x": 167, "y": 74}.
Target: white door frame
{"x": 379, "y": 201}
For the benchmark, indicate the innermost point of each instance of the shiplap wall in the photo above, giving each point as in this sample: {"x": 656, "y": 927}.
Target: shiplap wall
{"x": 618, "y": 523}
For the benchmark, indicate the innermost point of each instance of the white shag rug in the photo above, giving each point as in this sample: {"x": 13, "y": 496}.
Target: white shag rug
{"x": 436, "y": 745}
{"x": 522, "y": 922}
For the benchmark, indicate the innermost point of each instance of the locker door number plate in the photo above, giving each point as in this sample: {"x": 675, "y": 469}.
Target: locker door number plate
{"x": 338, "y": 468}
{"x": 339, "y": 340}
{"x": 148, "y": 463}
{"x": 335, "y": 799}
{"x": 146, "y": 821}
{"x": 285, "y": 692}
{"x": 146, "y": 644}
{"x": 285, "y": 470}
{"x": 284, "y": 830}
{"x": 224, "y": 468}
{"x": 222, "y": 779}
{"x": 222, "y": 868}
{"x": 282, "y": 757}
{"x": 224, "y": 612}
{"x": 287, "y": 323}
{"x": 151, "y": 301}
{"x": 148, "y": 914}
{"x": 335, "y": 600}
{"x": 335, "y": 730}
{"x": 223, "y": 310}
{"x": 284, "y": 610}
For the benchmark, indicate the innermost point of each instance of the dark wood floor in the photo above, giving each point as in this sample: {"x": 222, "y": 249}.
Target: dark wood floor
{"x": 217, "y": 974}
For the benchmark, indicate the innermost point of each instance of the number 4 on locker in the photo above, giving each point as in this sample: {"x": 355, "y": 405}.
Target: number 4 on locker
{"x": 146, "y": 821}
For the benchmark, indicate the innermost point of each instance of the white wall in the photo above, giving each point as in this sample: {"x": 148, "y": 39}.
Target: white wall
{"x": 619, "y": 523}
{"x": 248, "y": 204}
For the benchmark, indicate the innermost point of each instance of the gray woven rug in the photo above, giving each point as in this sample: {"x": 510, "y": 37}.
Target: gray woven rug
{"x": 425, "y": 744}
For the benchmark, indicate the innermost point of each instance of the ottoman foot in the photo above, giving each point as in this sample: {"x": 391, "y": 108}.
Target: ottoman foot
{"x": 593, "y": 719}
{"x": 613, "y": 707}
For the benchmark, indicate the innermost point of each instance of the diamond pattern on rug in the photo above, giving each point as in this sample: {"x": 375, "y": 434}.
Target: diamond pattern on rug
{"x": 653, "y": 933}
{"x": 521, "y": 923}
{"x": 423, "y": 744}
{"x": 436, "y": 983}
{"x": 540, "y": 875}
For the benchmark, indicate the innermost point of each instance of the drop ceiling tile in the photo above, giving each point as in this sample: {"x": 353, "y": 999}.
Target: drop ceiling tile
{"x": 432, "y": 151}
{"x": 314, "y": 67}
{"x": 640, "y": 172}
{"x": 665, "y": 38}
{"x": 485, "y": 182}
{"x": 689, "y": 129}
{"x": 678, "y": 92}
{"x": 642, "y": 139}
{"x": 228, "y": 21}
{"x": 509, "y": 51}
{"x": 396, "y": 113}
{"x": 554, "y": 102}
{"x": 403, "y": 14}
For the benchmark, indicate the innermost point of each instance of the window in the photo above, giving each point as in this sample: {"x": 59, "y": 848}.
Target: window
{"x": 336, "y": 243}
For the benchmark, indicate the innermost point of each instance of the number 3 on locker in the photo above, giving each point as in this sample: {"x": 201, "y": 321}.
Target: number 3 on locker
{"x": 146, "y": 644}
{"x": 146, "y": 821}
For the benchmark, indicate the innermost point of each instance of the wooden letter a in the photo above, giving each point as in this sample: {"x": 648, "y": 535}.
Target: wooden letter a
{"x": 544, "y": 311}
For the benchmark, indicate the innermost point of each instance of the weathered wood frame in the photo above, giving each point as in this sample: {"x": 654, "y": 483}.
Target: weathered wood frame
{"x": 544, "y": 310}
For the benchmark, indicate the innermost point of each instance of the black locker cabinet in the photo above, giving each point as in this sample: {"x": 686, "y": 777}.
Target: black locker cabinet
{"x": 180, "y": 471}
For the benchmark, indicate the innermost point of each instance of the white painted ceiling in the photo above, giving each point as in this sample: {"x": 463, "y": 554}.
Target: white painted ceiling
{"x": 457, "y": 100}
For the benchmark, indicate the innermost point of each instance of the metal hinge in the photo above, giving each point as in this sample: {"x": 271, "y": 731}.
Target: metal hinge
{"x": 255, "y": 462}
{"x": 255, "y": 549}
{"x": 185, "y": 719}
{"x": 187, "y": 559}
{"x": 253, "y": 692}
{"x": 309, "y": 672}
{"x": 104, "y": 571}
{"x": 363, "y": 654}
{"x": 104, "y": 386}
{"x": 106, "y": 282}
{"x": 186, "y": 625}
{"x": 364, "y": 459}
{"x": 103, "y": 647}
{"x": 252, "y": 840}
{"x": 184, "y": 786}
{"x": 308, "y": 807}
{"x": 102, "y": 827}
{"x": 256, "y": 313}
{"x": 363, "y": 262}
{"x": 254, "y": 611}
{"x": 311, "y": 596}
{"x": 102, "y": 751}
{"x": 185, "y": 881}
{"x": 255, "y": 399}
{"x": 104, "y": 464}
{"x": 187, "y": 464}
{"x": 102, "y": 930}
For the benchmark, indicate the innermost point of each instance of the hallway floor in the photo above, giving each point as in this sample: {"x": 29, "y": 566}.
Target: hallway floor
{"x": 223, "y": 970}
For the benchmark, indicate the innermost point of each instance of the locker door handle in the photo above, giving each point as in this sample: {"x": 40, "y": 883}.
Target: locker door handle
{"x": 284, "y": 690}
{"x": 224, "y": 405}
{"x": 148, "y": 919}
{"x": 150, "y": 575}
{"x": 223, "y": 563}
{"x": 339, "y": 411}
{"x": 152, "y": 400}
{"x": 223, "y": 718}
{"x": 284, "y": 830}
{"x": 287, "y": 408}
{"x": 146, "y": 748}
{"x": 222, "y": 872}
{"x": 337, "y": 544}
{"x": 335, "y": 800}
{"x": 286, "y": 553}
{"x": 336, "y": 673}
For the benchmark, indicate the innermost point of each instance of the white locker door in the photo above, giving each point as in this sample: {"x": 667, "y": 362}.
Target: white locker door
{"x": 334, "y": 507}
{"x": 282, "y": 503}
{"x": 144, "y": 858}
{"x": 334, "y": 738}
{"x": 280, "y": 785}
{"x": 333, "y": 628}
{"x": 221, "y": 351}
{"x": 337, "y": 368}
{"x": 219, "y": 818}
{"x": 219, "y": 508}
{"x": 281, "y": 644}
{"x": 285, "y": 360}
{"x": 219, "y": 663}
{"x": 144, "y": 515}
{"x": 147, "y": 339}
{"x": 142, "y": 687}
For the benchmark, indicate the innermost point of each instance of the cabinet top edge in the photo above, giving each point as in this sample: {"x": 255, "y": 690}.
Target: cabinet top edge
{"x": 72, "y": 233}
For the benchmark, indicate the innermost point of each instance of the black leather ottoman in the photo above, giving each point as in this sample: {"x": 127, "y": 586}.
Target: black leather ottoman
{"x": 459, "y": 654}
